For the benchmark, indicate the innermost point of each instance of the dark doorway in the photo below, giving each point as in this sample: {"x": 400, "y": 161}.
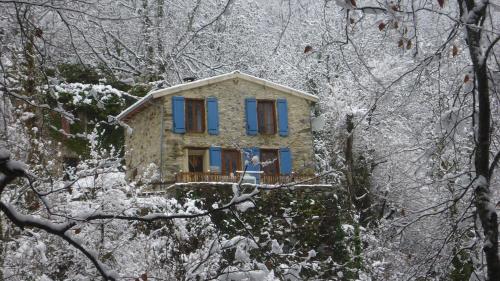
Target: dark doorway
{"x": 195, "y": 163}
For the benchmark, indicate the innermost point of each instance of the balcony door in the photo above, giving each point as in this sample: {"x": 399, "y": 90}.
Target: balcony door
{"x": 269, "y": 161}
{"x": 231, "y": 161}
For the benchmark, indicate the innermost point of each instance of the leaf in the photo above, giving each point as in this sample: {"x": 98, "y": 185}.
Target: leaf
{"x": 351, "y": 20}
{"x": 441, "y": 3}
{"x": 454, "y": 51}
{"x": 144, "y": 277}
{"x": 307, "y": 49}
{"x": 78, "y": 230}
{"x": 401, "y": 43}
{"x": 381, "y": 26}
{"x": 395, "y": 24}
{"x": 408, "y": 45}
{"x": 466, "y": 78}
{"x": 395, "y": 7}
{"x": 353, "y": 3}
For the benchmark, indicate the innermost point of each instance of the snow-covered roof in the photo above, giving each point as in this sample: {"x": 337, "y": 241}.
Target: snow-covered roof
{"x": 147, "y": 100}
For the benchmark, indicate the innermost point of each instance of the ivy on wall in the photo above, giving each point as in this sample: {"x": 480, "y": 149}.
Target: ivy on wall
{"x": 91, "y": 94}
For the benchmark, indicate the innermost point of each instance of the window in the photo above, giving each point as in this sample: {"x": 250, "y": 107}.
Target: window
{"x": 266, "y": 117}
{"x": 196, "y": 160}
{"x": 195, "y": 115}
{"x": 195, "y": 163}
{"x": 231, "y": 161}
{"x": 269, "y": 161}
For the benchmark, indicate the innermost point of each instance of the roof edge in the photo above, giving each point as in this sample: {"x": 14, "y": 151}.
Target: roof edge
{"x": 277, "y": 86}
{"x": 134, "y": 106}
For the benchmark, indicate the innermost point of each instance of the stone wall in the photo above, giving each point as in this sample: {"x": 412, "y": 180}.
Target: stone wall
{"x": 142, "y": 145}
{"x": 231, "y": 96}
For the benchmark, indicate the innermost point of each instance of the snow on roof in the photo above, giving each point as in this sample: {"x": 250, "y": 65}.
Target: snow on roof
{"x": 146, "y": 100}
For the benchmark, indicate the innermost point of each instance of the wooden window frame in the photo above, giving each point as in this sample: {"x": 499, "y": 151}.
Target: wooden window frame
{"x": 203, "y": 117}
{"x": 277, "y": 162}
{"x": 275, "y": 129}
{"x": 238, "y": 159}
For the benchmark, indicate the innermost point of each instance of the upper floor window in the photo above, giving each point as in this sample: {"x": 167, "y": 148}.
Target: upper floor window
{"x": 188, "y": 115}
{"x": 195, "y": 115}
{"x": 266, "y": 117}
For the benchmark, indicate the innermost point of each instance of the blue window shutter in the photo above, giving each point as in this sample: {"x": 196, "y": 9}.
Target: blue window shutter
{"x": 215, "y": 158}
{"x": 285, "y": 161}
{"x": 283, "y": 117}
{"x": 179, "y": 125}
{"x": 213, "y": 116}
{"x": 248, "y": 154}
{"x": 251, "y": 116}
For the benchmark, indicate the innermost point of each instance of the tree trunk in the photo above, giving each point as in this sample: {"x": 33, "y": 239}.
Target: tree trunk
{"x": 349, "y": 162}
{"x": 485, "y": 209}
{"x": 2, "y": 243}
{"x": 158, "y": 27}
{"x": 147, "y": 31}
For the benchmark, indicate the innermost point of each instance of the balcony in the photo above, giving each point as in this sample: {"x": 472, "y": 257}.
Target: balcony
{"x": 189, "y": 177}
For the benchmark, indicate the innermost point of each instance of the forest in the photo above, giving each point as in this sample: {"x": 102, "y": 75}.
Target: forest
{"x": 409, "y": 102}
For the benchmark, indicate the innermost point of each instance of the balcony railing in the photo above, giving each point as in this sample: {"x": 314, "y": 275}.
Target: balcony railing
{"x": 184, "y": 177}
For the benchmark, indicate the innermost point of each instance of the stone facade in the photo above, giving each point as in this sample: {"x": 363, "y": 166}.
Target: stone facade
{"x": 143, "y": 144}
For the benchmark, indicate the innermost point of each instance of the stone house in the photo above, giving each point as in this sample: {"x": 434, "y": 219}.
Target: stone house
{"x": 219, "y": 128}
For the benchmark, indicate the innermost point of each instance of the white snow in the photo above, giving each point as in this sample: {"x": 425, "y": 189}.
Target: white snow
{"x": 243, "y": 206}
{"x": 276, "y": 248}
{"x": 311, "y": 254}
{"x": 15, "y": 165}
{"x": 86, "y": 93}
{"x": 347, "y": 228}
{"x": 4, "y": 153}
{"x": 34, "y": 220}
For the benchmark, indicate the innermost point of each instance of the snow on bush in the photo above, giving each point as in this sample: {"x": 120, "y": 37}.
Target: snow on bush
{"x": 80, "y": 94}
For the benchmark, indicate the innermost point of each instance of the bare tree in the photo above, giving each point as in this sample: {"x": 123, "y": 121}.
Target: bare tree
{"x": 408, "y": 23}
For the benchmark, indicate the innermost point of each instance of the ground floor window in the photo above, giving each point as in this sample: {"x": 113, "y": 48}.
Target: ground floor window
{"x": 196, "y": 160}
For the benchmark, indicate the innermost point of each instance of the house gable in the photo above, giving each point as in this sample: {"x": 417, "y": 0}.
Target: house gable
{"x": 151, "y": 96}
